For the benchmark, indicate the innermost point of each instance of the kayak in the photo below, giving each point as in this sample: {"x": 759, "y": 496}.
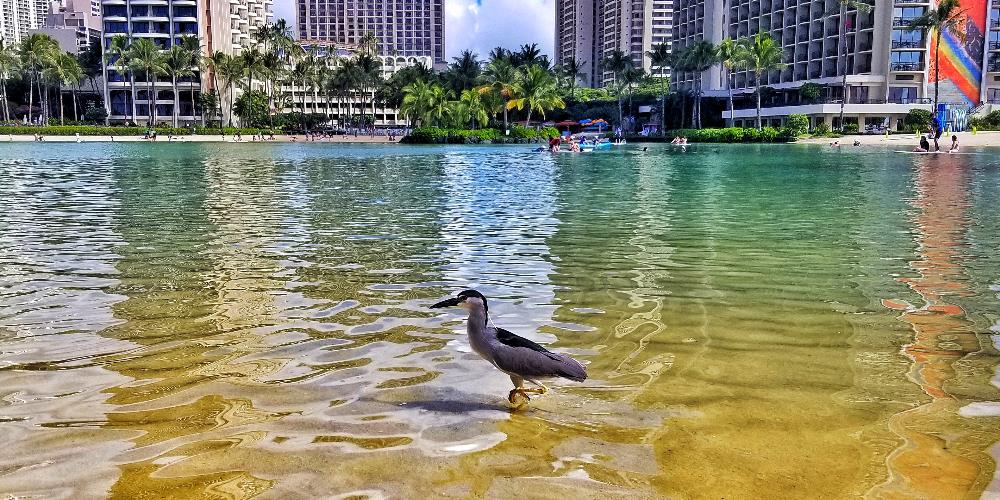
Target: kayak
{"x": 600, "y": 145}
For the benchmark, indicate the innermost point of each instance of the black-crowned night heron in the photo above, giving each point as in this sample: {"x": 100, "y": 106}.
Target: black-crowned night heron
{"x": 516, "y": 356}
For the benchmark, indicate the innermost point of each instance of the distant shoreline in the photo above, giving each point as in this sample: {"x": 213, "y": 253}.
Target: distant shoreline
{"x": 248, "y": 139}
{"x": 909, "y": 141}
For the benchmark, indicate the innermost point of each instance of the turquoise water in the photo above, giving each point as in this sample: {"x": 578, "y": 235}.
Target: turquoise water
{"x": 218, "y": 320}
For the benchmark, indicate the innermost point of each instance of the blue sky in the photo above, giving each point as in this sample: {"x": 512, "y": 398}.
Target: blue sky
{"x": 481, "y": 25}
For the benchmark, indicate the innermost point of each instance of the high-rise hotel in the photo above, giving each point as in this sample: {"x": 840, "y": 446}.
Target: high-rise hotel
{"x": 404, "y": 28}
{"x": 220, "y": 25}
{"x": 588, "y": 31}
{"x": 890, "y": 69}
{"x": 19, "y": 16}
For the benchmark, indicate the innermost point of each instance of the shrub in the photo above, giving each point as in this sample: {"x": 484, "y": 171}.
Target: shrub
{"x": 988, "y": 122}
{"x": 918, "y": 120}
{"x": 797, "y": 125}
{"x": 850, "y": 128}
{"x": 734, "y": 135}
{"x": 92, "y": 130}
{"x": 251, "y": 107}
{"x": 821, "y": 129}
{"x": 810, "y": 92}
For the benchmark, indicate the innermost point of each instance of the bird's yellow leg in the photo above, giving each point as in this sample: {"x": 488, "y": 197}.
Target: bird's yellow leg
{"x": 541, "y": 389}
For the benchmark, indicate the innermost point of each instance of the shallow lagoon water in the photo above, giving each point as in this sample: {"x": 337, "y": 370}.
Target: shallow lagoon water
{"x": 220, "y": 321}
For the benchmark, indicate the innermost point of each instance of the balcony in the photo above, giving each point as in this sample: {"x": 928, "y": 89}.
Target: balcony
{"x": 898, "y": 2}
{"x": 902, "y": 21}
{"x": 995, "y": 45}
{"x": 907, "y": 66}
{"x": 907, "y": 44}
{"x": 993, "y": 66}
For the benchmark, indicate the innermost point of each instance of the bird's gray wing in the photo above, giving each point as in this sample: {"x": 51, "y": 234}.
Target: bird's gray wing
{"x": 521, "y": 356}
{"x": 508, "y": 338}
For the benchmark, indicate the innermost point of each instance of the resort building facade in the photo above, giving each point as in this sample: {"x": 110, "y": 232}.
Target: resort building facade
{"x": 75, "y": 24}
{"x": 17, "y": 17}
{"x": 588, "y": 31}
{"x": 404, "y": 28}
{"x": 344, "y": 110}
{"x": 220, "y": 25}
{"x": 889, "y": 68}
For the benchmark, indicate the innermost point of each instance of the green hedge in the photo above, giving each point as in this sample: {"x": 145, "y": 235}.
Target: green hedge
{"x": 91, "y": 130}
{"x": 988, "y": 122}
{"x": 436, "y": 135}
{"x": 734, "y": 135}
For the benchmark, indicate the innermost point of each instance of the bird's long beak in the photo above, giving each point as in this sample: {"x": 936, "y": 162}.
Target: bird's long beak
{"x": 447, "y": 303}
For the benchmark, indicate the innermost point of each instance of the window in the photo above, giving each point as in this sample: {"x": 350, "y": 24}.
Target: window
{"x": 902, "y": 95}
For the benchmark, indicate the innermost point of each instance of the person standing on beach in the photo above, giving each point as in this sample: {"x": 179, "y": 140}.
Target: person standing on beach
{"x": 937, "y": 135}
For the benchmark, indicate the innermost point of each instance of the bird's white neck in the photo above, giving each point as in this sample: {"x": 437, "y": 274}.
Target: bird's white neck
{"x": 477, "y": 327}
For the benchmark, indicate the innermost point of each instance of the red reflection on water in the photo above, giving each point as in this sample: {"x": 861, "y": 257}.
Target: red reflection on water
{"x": 924, "y": 466}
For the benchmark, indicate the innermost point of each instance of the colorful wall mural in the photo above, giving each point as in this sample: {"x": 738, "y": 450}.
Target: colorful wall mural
{"x": 961, "y": 65}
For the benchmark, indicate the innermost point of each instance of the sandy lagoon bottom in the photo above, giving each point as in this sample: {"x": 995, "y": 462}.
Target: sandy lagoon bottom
{"x": 218, "y": 321}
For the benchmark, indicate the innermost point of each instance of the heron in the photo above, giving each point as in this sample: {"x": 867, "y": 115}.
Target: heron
{"x": 518, "y": 357}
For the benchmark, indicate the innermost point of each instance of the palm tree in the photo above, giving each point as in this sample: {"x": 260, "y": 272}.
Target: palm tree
{"x": 731, "y": 58}
{"x": 630, "y": 78}
{"x": 145, "y": 57}
{"x": 193, "y": 47}
{"x": 463, "y": 73}
{"x": 948, "y": 15}
{"x": 231, "y": 72}
{"x": 499, "y": 53}
{"x": 177, "y": 64}
{"x": 35, "y": 50}
{"x": 118, "y": 53}
{"x": 62, "y": 69}
{"x": 302, "y": 73}
{"x": 700, "y": 56}
{"x": 369, "y": 44}
{"x": 473, "y": 104}
{"x": 252, "y": 61}
{"x": 8, "y": 65}
{"x": 761, "y": 54}
{"x": 527, "y": 55}
{"x": 369, "y": 71}
{"x": 659, "y": 57}
{"x": 862, "y": 7}
{"x": 225, "y": 71}
{"x": 425, "y": 103}
{"x": 572, "y": 70}
{"x": 616, "y": 63}
{"x": 535, "y": 89}
{"x": 500, "y": 76}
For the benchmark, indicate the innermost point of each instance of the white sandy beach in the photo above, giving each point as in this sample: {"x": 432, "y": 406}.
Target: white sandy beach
{"x": 345, "y": 139}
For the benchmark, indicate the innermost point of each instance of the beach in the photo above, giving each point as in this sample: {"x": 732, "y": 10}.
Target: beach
{"x": 908, "y": 141}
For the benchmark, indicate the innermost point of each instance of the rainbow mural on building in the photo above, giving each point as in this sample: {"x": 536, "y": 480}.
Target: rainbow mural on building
{"x": 961, "y": 65}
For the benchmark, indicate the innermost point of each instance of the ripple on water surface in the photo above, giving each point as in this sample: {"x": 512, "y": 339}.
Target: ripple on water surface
{"x": 184, "y": 320}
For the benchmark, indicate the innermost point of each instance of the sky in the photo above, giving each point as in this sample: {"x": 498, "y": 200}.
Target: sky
{"x": 480, "y": 25}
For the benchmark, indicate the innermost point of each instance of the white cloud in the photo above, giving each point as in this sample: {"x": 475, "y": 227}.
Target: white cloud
{"x": 480, "y": 25}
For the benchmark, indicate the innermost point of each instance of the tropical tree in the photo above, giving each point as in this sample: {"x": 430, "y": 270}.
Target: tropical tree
{"x": 731, "y": 58}
{"x": 616, "y": 62}
{"x": 35, "y": 52}
{"x": 209, "y": 101}
{"x": 536, "y": 90}
{"x": 500, "y": 77}
{"x": 761, "y": 54}
{"x": 528, "y": 55}
{"x": 473, "y": 105}
{"x": 659, "y": 58}
{"x": 62, "y": 69}
{"x": 369, "y": 76}
{"x": 861, "y": 6}
{"x": 8, "y": 66}
{"x": 369, "y": 44}
{"x": 226, "y": 71}
{"x": 193, "y": 47}
{"x": 499, "y": 54}
{"x": 572, "y": 70}
{"x": 118, "y": 56}
{"x": 177, "y": 64}
{"x": 630, "y": 78}
{"x": 947, "y": 15}
{"x": 252, "y": 62}
{"x": 145, "y": 57}
{"x": 302, "y": 74}
{"x": 425, "y": 103}
{"x": 463, "y": 72}
{"x": 700, "y": 56}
